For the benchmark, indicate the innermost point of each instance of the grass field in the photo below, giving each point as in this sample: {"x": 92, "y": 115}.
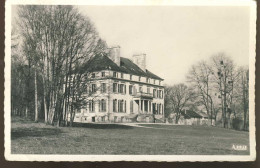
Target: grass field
{"x": 37, "y": 138}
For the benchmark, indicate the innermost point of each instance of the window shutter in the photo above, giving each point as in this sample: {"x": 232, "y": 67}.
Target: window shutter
{"x": 125, "y": 106}
{"x": 118, "y": 104}
{"x": 90, "y": 89}
{"x": 99, "y": 104}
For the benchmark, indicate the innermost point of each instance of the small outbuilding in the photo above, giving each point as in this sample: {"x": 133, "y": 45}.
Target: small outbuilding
{"x": 190, "y": 117}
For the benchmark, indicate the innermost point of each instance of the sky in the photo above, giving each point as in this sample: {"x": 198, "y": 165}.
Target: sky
{"x": 174, "y": 37}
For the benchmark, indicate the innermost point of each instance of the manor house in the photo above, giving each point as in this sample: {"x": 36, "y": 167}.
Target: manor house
{"x": 122, "y": 90}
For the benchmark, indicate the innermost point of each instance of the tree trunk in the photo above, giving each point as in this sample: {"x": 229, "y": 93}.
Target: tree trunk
{"x": 26, "y": 112}
{"x": 44, "y": 101}
{"x": 36, "y": 96}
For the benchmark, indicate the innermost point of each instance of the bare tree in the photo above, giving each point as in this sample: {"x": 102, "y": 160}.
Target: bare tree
{"x": 177, "y": 98}
{"x": 241, "y": 96}
{"x": 58, "y": 40}
{"x": 200, "y": 77}
{"x": 223, "y": 71}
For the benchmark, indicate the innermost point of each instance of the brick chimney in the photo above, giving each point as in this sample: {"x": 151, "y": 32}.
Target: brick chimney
{"x": 140, "y": 60}
{"x": 114, "y": 54}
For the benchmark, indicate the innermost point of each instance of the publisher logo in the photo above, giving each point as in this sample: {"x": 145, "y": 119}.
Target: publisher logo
{"x": 239, "y": 147}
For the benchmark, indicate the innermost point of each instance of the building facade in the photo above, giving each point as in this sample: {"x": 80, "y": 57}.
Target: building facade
{"x": 121, "y": 90}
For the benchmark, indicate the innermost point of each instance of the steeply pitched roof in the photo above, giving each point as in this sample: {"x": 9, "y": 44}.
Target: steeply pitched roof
{"x": 190, "y": 114}
{"x": 103, "y": 62}
{"x": 98, "y": 63}
{"x": 131, "y": 68}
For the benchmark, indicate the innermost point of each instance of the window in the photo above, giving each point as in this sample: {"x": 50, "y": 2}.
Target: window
{"x": 114, "y": 87}
{"x": 122, "y": 75}
{"x": 78, "y": 111}
{"x": 103, "y": 74}
{"x": 131, "y": 106}
{"x": 162, "y": 109}
{"x": 134, "y": 90}
{"x": 139, "y": 78}
{"x": 148, "y": 90}
{"x": 91, "y": 106}
{"x": 120, "y": 105}
{"x": 154, "y": 93}
{"x": 130, "y": 89}
{"x": 103, "y": 105}
{"x": 147, "y": 79}
{"x": 140, "y": 89}
{"x": 93, "y": 75}
{"x": 159, "y": 82}
{"x": 158, "y": 94}
{"x": 154, "y": 81}
{"x": 93, "y": 88}
{"x": 103, "y": 118}
{"x": 121, "y": 88}
{"x": 114, "y": 74}
{"x": 103, "y": 88}
{"x": 162, "y": 94}
{"x": 114, "y": 105}
{"x": 131, "y": 77}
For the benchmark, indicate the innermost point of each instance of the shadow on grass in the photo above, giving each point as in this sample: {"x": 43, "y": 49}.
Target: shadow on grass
{"x": 102, "y": 126}
{"x": 33, "y": 132}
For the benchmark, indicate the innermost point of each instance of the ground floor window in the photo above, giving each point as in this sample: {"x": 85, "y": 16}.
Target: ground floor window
{"x": 159, "y": 108}
{"x": 91, "y": 106}
{"x": 114, "y": 105}
{"x": 103, "y": 118}
{"x": 162, "y": 109}
{"x": 103, "y": 105}
{"x": 120, "y": 105}
{"x": 131, "y": 106}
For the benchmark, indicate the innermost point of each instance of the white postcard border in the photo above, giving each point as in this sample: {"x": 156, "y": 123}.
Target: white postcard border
{"x": 54, "y": 157}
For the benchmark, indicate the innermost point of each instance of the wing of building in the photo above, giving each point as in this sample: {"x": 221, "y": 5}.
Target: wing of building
{"x": 121, "y": 90}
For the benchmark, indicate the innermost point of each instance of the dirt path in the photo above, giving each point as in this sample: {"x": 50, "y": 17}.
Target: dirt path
{"x": 140, "y": 126}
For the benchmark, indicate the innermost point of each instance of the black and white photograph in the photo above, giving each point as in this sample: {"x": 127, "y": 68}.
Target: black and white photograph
{"x": 129, "y": 81}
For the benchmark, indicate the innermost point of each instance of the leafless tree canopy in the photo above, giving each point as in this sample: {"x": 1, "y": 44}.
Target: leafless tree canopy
{"x": 219, "y": 87}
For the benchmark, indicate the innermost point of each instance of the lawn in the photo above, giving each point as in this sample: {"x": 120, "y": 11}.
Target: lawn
{"x": 37, "y": 138}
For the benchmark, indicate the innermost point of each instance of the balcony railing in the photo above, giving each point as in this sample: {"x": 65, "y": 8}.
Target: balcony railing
{"x": 143, "y": 95}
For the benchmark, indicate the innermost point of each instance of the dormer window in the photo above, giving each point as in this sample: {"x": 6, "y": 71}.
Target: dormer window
{"x": 93, "y": 75}
{"x": 122, "y": 75}
{"x": 114, "y": 74}
{"x": 103, "y": 74}
{"x": 131, "y": 77}
{"x": 159, "y": 82}
{"x": 154, "y": 81}
{"x": 140, "y": 89}
{"x": 139, "y": 78}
